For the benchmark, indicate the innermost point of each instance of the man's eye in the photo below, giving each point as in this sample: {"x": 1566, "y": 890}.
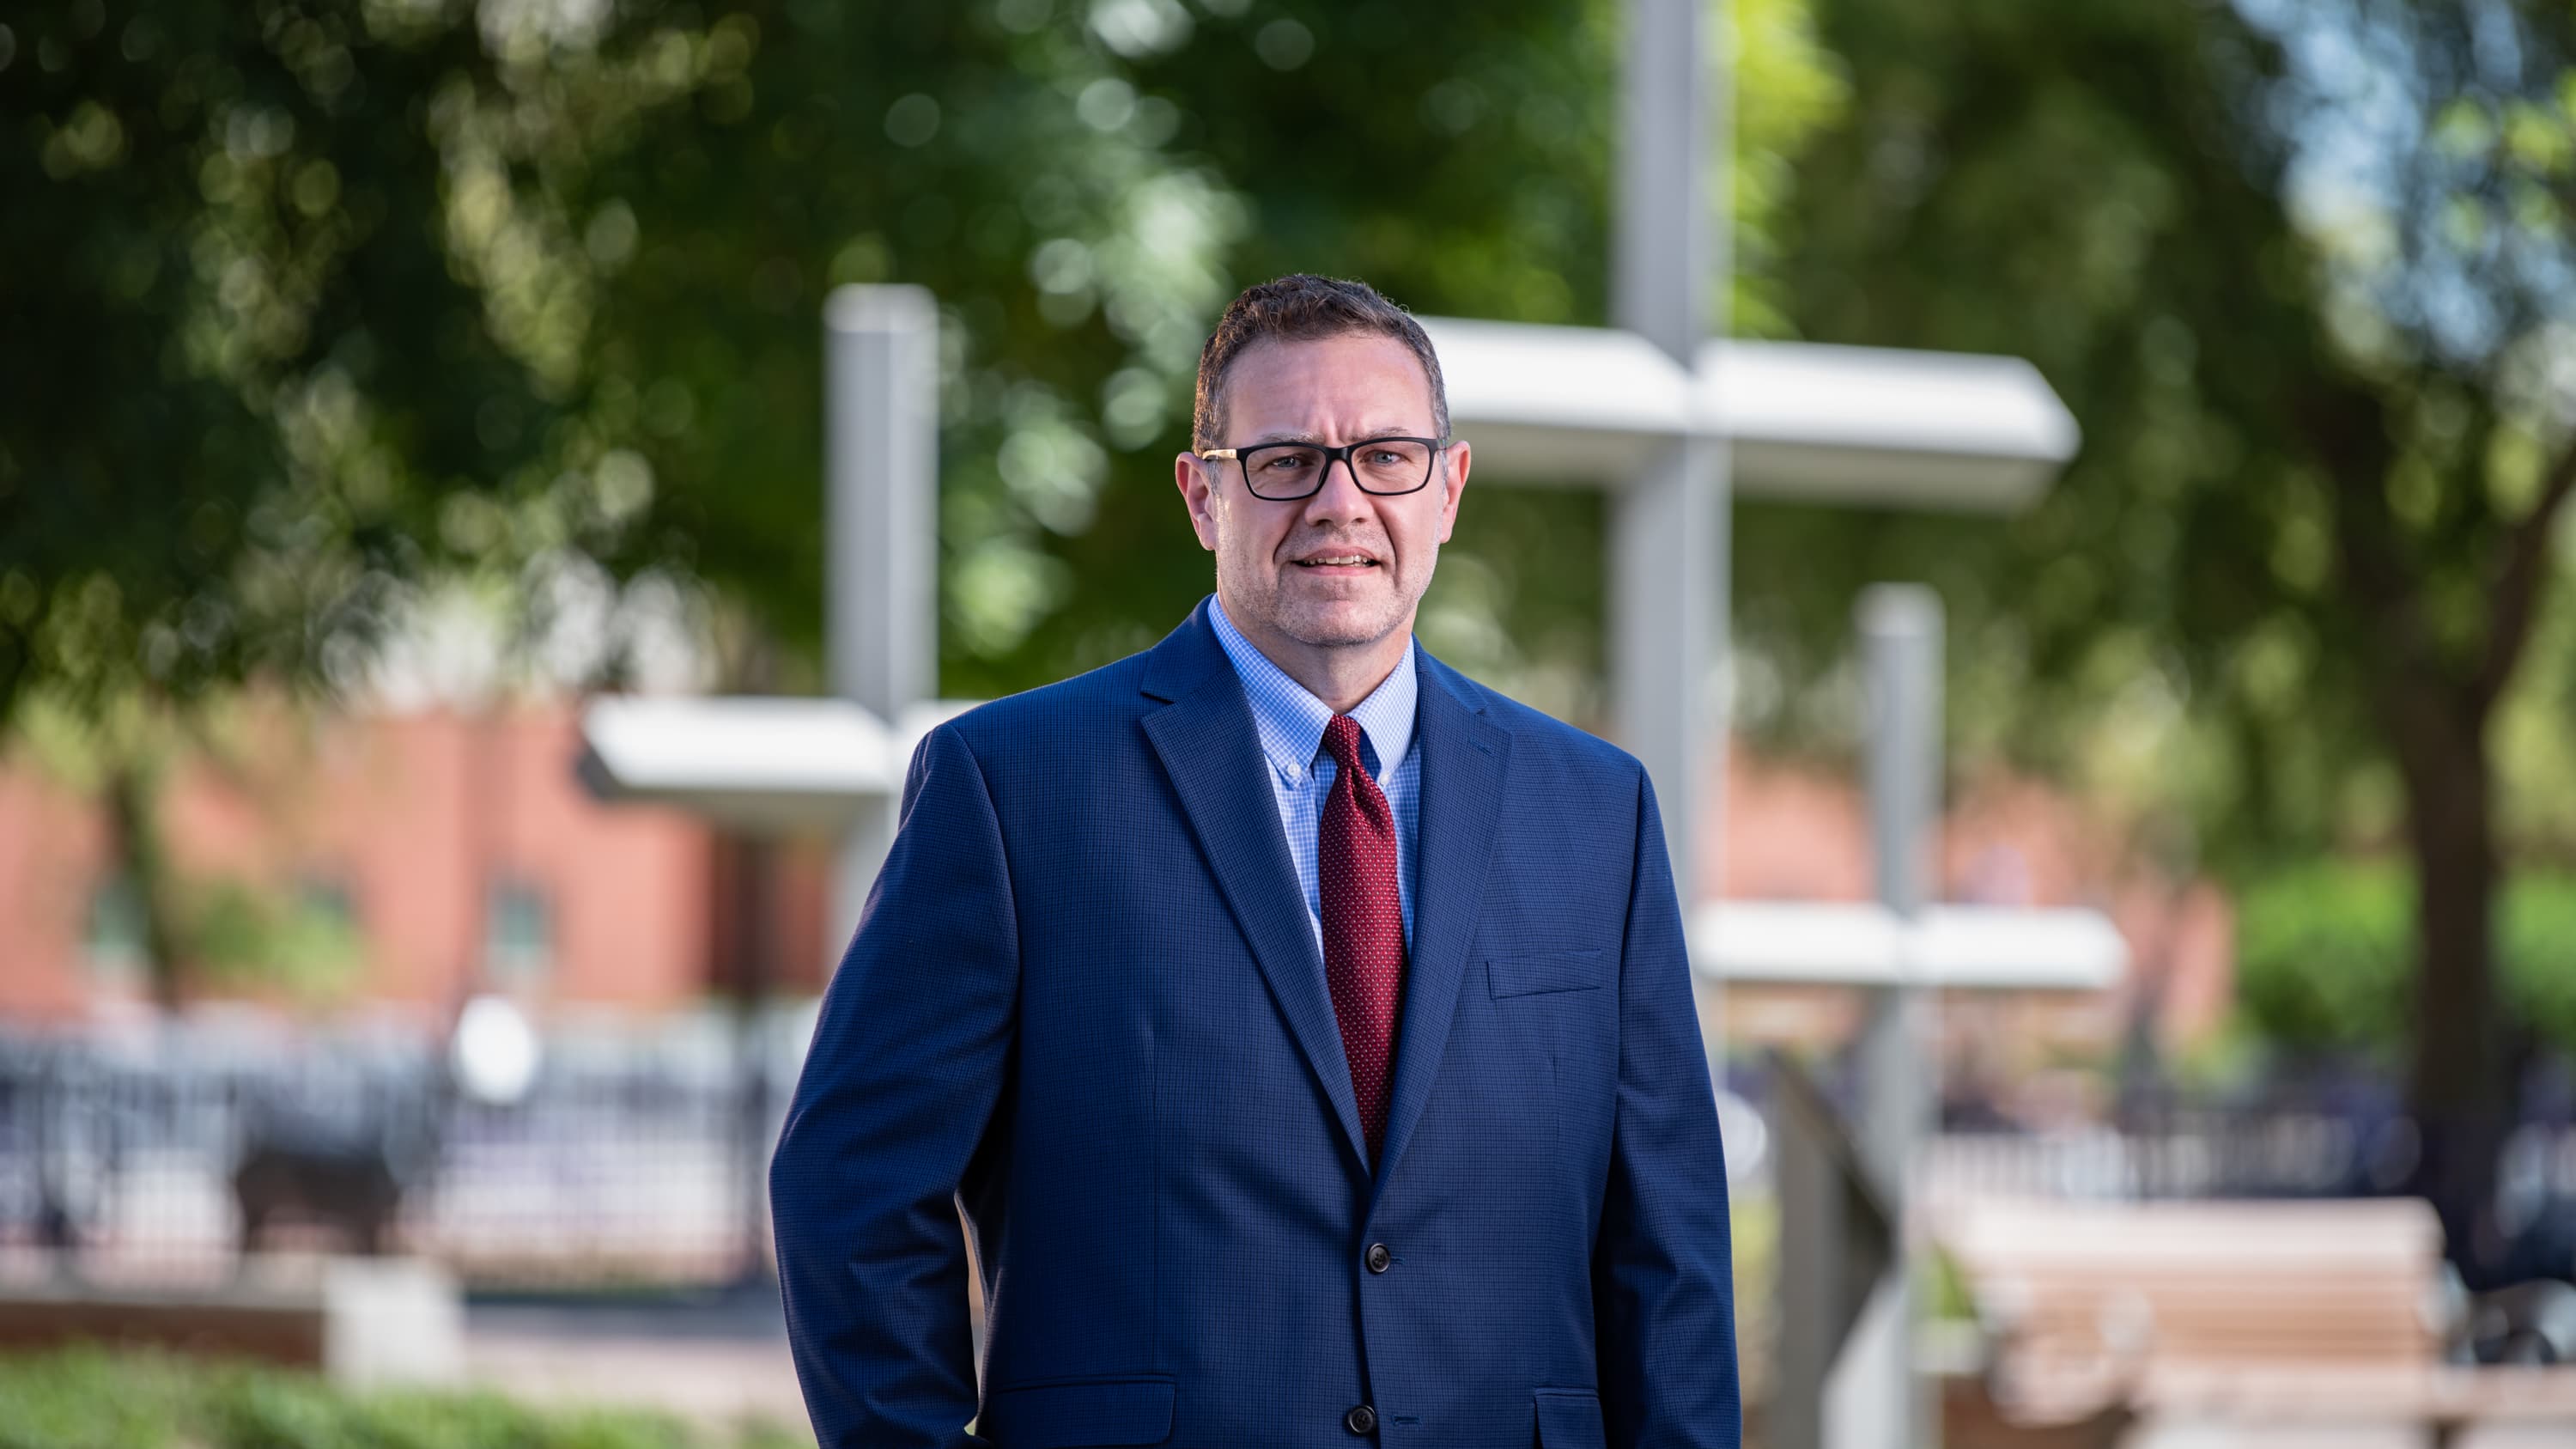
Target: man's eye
{"x": 1384, "y": 457}
{"x": 1284, "y": 462}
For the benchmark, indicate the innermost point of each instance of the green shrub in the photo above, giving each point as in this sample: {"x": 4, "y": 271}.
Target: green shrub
{"x": 2325, "y": 957}
{"x": 91, "y": 1399}
{"x": 2538, "y": 937}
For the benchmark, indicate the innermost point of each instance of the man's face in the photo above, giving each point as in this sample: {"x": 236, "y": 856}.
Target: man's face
{"x": 1343, "y": 567}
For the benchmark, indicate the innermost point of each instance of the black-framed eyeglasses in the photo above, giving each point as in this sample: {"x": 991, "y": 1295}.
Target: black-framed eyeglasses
{"x": 1284, "y": 472}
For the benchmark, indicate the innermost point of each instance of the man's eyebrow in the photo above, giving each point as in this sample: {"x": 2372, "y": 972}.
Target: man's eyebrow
{"x": 1293, "y": 435}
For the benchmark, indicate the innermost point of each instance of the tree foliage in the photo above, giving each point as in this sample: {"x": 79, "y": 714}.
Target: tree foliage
{"x": 2302, "y": 268}
{"x": 2242, "y": 330}
{"x": 241, "y": 367}
{"x": 342, "y": 295}
{"x": 2325, "y": 953}
{"x": 336, "y": 296}
{"x": 321, "y": 304}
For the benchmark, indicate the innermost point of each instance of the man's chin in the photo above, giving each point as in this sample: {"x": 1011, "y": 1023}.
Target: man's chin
{"x": 1340, "y": 626}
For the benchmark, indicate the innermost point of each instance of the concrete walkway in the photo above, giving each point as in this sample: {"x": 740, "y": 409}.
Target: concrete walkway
{"x": 725, "y": 1361}
{"x": 717, "y": 1363}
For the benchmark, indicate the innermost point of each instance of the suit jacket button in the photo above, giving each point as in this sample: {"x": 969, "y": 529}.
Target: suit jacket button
{"x": 1379, "y": 1257}
{"x": 1360, "y": 1420}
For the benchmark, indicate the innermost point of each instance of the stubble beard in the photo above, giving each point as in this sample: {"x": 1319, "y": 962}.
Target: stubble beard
{"x": 1318, "y": 622}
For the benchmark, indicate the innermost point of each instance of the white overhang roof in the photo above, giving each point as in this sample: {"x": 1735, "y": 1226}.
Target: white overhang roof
{"x": 765, "y": 765}
{"x": 1841, "y": 424}
{"x": 1859, "y": 944}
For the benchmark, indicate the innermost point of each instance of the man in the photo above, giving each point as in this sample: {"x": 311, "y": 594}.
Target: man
{"x": 1303, "y": 1029}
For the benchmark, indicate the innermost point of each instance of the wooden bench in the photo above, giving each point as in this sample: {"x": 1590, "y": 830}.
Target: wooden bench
{"x": 2240, "y": 1312}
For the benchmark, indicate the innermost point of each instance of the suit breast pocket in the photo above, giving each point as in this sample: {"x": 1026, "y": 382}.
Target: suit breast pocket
{"x": 1548, "y": 973}
{"x": 1560, "y": 1011}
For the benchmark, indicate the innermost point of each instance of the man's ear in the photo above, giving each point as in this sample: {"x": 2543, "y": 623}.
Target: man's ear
{"x": 1198, "y": 495}
{"x": 1451, "y": 486}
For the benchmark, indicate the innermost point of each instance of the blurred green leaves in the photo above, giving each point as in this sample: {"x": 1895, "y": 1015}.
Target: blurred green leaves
{"x": 2325, "y": 958}
{"x": 88, "y": 1399}
{"x": 332, "y": 297}
{"x": 2317, "y": 421}
{"x": 2311, "y": 307}
{"x": 304, "y": 944}
{"x": 226, "y": 296}
{"x": 326, "y": 299}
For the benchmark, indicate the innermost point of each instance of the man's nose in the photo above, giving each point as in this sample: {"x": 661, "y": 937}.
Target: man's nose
{"x": 1340, "y": 496}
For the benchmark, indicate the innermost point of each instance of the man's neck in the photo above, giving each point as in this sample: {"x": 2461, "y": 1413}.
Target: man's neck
{"x": 1341, "y": 675}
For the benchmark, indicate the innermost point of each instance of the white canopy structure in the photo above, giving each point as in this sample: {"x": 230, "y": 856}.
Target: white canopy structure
{"x": 762, "y": 765}
{"x": 1863, "y": 425}
{"x": 1867, "y": 944}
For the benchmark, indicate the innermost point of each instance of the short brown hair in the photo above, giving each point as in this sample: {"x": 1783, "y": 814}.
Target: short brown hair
{"x": 1304, "y": 308}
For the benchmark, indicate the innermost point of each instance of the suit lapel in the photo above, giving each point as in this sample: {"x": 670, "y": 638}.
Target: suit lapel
{"x": 1464, "y": 759}
{"x": 1205, "y": 737}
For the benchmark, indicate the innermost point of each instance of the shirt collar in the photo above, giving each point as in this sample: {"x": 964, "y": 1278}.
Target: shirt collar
{"x": 1290, "y": 720}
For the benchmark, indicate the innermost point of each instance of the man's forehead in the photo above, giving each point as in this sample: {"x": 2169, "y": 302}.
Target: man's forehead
{"x": 1377, "y": 373}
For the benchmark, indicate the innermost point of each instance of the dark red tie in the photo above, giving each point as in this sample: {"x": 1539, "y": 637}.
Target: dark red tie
{"x": 1363, "y": 923}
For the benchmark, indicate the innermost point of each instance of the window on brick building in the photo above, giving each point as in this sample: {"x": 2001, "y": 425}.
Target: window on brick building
{"x": 518, "y": 932}
{"x": 327, "y": 900}
{"x": 113, "y": 937}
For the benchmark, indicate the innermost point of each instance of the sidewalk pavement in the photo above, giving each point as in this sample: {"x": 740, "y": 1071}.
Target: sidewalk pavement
{"x": 718, "y": 1362}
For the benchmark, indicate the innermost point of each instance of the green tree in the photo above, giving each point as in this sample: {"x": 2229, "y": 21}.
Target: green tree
{"x": 241, "y": 367}
{"x": 314, "y": 302}
{"x": 338, "y": 295}
{"x": 243, "y": 375}
{"x": 327, "y": 297}
{"x": 2301, "y": 268}
{"x": 325, "y": 301}
{"x": 2324, "y": 953}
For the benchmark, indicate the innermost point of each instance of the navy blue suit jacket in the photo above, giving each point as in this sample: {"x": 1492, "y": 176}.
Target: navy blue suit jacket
{"x": 1085, "y": 1004}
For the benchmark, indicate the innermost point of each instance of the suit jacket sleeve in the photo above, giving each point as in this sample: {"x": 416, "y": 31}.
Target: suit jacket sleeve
{"x": 898, "y": 1088}
{"x": 1663, "y": 1298}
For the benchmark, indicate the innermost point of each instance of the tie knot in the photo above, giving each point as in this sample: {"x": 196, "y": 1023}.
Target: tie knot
{"x": 1342, "y": 741}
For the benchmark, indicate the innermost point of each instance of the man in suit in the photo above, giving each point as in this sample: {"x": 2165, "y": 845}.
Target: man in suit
{"x": 1302, "y": 1028}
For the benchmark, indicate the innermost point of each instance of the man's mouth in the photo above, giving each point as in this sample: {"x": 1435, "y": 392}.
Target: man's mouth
{"x": 1333, "y": 560}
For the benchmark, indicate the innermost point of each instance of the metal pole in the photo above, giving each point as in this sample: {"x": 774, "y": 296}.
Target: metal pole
{"x": 881, "y": 429}
{"x": 1667, "y": 594}
{"x": 1667, "y": 562}
{"x": 1877, "y": 1400}
{"x": 1660, "y": 265}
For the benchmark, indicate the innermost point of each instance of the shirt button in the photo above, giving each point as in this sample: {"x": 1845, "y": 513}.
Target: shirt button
{"x": 1360, "y": 1420}
{"x": 1379, "y": 1257}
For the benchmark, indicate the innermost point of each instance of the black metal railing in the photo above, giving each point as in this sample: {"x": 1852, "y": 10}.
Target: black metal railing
{"x": 630, "y": 1159}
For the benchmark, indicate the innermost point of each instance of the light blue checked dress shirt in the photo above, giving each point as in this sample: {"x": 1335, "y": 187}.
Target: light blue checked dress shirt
{"x": 1290, "y": 722}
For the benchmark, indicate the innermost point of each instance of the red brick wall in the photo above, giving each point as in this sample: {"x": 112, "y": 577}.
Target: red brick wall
{"x": 417, "y": 814}
{"x": 414, "y": 815}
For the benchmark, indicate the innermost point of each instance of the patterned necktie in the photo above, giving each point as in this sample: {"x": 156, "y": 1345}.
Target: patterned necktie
{"x": 1363, "y": 923}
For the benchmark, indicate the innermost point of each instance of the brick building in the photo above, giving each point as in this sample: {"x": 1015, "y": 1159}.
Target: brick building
{"x": 459, "y": 853}
{"x": 456, "y": 849}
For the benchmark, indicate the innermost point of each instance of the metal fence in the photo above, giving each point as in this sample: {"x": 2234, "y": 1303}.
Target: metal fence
{"x": 2236, "y": 1152}
{"x": 2199, "y": 1155}
{"x": 638, "y": 1156}
{"x": 632, "y": 1158}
